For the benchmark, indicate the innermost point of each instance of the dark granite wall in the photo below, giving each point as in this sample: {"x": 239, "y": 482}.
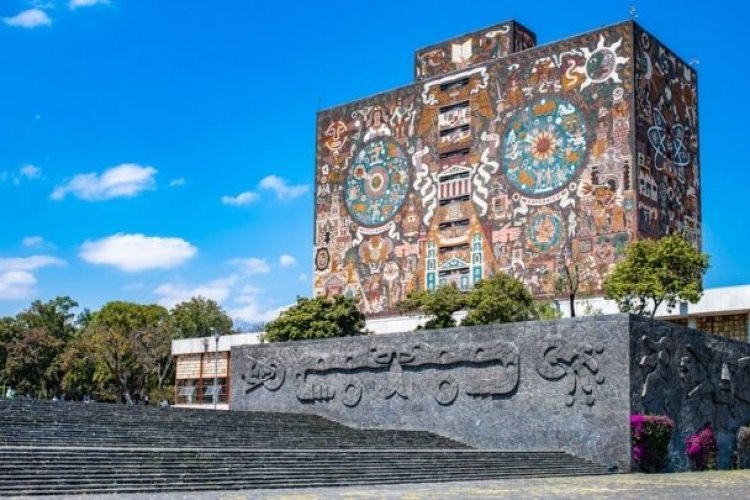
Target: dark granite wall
{"x": 693, "y": 377}
{"x": 560, "y": 385}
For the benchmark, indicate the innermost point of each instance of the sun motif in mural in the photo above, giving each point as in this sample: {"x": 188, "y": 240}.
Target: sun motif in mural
{"x": 601, "y": 63}
{"x": 544, "y": 230}
{"x": 378, "y": 183}
{"x": 544, "y": 145}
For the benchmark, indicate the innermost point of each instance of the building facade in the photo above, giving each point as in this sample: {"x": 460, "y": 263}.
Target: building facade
{"x": 506, "y": 157}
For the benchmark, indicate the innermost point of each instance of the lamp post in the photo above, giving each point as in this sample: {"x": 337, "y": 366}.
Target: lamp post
{"x": 216, "y": 335}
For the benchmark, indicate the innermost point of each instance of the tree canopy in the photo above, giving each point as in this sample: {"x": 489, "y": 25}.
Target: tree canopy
{"x": 198, "y": 316}
{"x": 317, "y": 318}
{"x": 499, "y": 299}
{"x": 33, "y": 342}
{"x": 656, "y": 272}
{"x": 120, "y": 352}
{"x": 123, "y": 352}
{"x": 439, "y": 305}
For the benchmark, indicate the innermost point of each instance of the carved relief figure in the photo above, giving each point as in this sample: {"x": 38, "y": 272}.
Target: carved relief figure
{"x": 656, "y": 385}
{"x": 573, "y": 362}
{"x": 334, "y": 376}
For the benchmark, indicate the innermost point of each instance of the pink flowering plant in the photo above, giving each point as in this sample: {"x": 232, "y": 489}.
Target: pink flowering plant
{"x": 650, "y": 436}
{"x": 701, "y": 448}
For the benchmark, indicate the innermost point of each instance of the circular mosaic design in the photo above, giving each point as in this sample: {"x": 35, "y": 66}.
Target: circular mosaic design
{"x": 543, "y": 146}
{"x": 601, "y": 64}
{"x": 544, "y": 230}
{"x": 378, "y": 183}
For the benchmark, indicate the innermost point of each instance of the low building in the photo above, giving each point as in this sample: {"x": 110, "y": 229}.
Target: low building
{"x": 202, "y": 367}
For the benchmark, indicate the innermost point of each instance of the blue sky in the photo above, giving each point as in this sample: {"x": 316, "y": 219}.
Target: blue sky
{"x": 151, "y": 150}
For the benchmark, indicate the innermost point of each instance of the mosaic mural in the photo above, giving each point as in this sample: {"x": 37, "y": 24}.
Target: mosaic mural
{"x": 514, "y": 166}
{"x": 474, "y": 48}
{"x": 667, "y": 142}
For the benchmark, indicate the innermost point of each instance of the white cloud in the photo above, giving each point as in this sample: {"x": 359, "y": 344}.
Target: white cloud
{"x": 287, "y": 260}
{"x": 33, "y": 241}
{"x": 15, "y": 285}
{"x": 30, "y": 18}
{"x": 123, "y": 181}
{"x": 180, "y": 181}
{"x": 137, "y": 252}
{"x": 302, "y": 278}
{"x": 29, "y": 263}
{"x": 253, "y": 310}
{"x": 17, "y": 280}
{"x": 29, "y": 171}
{"x": 252, "y": 265}
{"x": 171, "y": 294}
{"x": 283, "y": 190}
{"x": 241, "y": 199}
{"x": 26, "y": 172}
{"x": 77, "y": 4}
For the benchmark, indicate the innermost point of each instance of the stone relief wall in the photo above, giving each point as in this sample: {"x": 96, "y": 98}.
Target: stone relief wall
{"x": 474, "y": 48}
{"x": 695, "y": 379}
{"x": 530, "y": 386}
{"x": 667, "y": 142}
{"x": 501, "y": 167}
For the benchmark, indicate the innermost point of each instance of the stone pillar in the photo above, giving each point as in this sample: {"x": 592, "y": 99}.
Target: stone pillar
{"x": 692, "y": 322}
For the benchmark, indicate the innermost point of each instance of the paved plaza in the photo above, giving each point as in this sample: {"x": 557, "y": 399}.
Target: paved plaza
{"x": 714, "y": 485}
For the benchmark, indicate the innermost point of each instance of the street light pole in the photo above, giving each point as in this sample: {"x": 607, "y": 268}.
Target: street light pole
{"x": 216, "y": 365}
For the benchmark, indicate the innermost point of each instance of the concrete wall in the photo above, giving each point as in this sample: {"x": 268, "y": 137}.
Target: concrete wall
{"x": 524, "y": 386}
{"x": 692, "y": 377}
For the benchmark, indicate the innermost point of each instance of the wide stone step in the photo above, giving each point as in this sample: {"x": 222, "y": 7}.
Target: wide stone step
{"x": 240, "y": 485}
{"x": 66, "y": 448}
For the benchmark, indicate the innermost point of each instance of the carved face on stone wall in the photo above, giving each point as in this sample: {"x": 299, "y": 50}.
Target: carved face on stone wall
{"x": 689, "y": 367}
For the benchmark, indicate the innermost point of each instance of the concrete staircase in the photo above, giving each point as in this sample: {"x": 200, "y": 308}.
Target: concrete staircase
{"x": 72, "y": 448}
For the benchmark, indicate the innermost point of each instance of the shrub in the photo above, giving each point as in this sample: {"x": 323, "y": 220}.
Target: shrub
{"x": 650, "y": 436}
{"x": 701, "y": 448}
{"x": 743, "y": 447}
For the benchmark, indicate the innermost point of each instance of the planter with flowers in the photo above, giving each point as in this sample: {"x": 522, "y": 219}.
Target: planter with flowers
{"x": 650, "y": 436}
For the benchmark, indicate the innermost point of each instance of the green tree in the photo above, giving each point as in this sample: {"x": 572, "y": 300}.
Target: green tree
{"x": 439, "y": 305}
{"x": 317, "y": 318}
{"x": 656, "y": 272}
{"x": 546, "y": 311}
{"x": 197, "y": 316}
{"x": 128, "y": 345}
{"x": 499, "y": 299}
{"x": 9, "y": 332}
{"x": 32, "y": 364}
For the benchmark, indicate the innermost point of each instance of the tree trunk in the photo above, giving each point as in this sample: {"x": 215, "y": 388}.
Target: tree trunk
{"x": 656, "y": 306}
{"x": 572, "y": 305}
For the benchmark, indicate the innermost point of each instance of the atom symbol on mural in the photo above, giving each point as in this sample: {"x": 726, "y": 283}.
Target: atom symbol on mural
{"x": 663, "y": 144}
